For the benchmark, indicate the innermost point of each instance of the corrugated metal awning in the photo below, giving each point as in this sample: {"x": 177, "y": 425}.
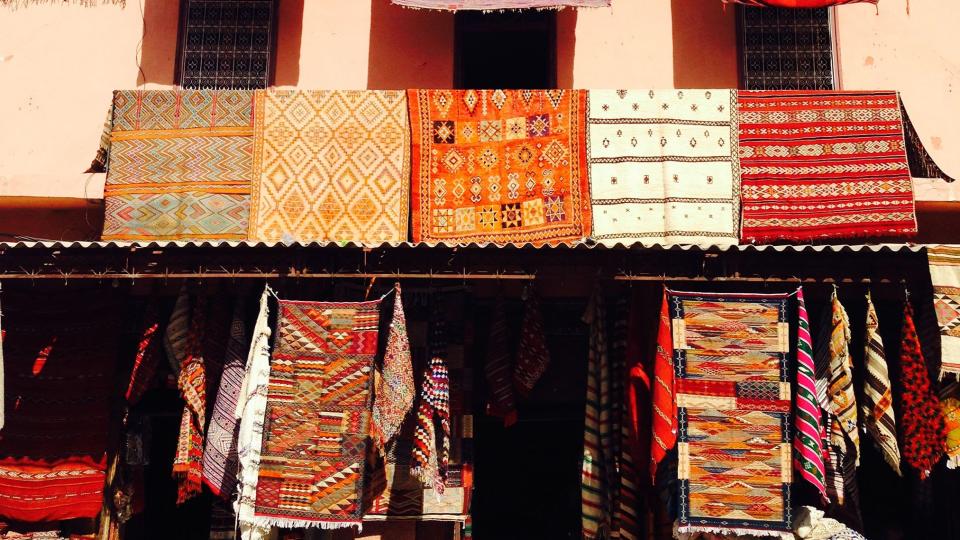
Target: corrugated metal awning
{"x": 224, "y": 244}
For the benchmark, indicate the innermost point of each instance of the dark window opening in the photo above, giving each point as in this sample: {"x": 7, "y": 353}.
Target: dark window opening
{"x": 226, "y": 43}
{"x": 506, "y": 50}
{"x": 786, "y": 49}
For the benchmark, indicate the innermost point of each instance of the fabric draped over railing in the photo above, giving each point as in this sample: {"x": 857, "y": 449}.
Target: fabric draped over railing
{"x": 547, "y": 167}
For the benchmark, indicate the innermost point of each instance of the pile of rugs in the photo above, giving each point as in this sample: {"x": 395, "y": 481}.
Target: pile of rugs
{"x": 540, "y": 167}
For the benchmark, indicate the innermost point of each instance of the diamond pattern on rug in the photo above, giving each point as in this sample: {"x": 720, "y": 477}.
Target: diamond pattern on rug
{"x": 331, "y": 165}
{"x": 318, "y": 413}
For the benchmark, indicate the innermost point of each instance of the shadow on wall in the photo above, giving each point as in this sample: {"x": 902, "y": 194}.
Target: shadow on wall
{"x": 566, "y": 46}
{"x": 409, "y": 48}
{"x": 704, "y": 44}
{"x": 158, "y": 55}
{"x": 289, "y": 36}
{"x": 161, "y": 23}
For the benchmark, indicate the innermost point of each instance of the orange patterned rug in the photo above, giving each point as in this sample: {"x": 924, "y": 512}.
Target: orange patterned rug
{"x": 316, "y": 429}
{"x": 502, "y": 166}
{"x": 330, "y": 165}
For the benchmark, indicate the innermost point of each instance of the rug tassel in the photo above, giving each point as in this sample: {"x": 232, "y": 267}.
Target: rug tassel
{"x": 288, "y": 523}
{"x": 683, "y": 532}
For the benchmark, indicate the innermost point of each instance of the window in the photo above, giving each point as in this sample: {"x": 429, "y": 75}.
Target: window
{"x": 506, "y": 50}
{"x": 786, "y": 49}
{"x": 226, "y": 43}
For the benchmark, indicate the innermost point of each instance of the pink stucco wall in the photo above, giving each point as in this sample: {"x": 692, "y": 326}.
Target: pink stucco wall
{"x": 58, "y": 64}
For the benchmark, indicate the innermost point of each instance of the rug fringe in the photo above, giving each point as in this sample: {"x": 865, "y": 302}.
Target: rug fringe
{"x": 290, "y": 523}
{"x": 683, "y": 532}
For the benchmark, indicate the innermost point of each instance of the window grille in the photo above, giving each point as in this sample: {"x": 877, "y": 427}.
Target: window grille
{"x": 786, "y": 49}
{"x": 226, "y": 43}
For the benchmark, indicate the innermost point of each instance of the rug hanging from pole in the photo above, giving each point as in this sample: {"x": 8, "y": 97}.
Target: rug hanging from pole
{"x": 731, "y": 357}
{"x": 316, "y": 428}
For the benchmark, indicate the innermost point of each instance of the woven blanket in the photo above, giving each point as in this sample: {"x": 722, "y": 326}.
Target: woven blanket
{"x": 220, "y": 452}
{"x": 180, "y": 165}
{"x": 60, "y": 352}
{"x": 808, "y": 420}
{"x": 330, "y": 165}
{"x": 664, "y": 166}
{"x": 395, "y": 388}
{"x": 945, "y": 275}
{"x": 458, "y": 5}
{"x": 502, "y": 166}
{"x": 820, "y": 165}
{"x": 733, "y": 399}
{"x": 251, "y": 407}
{"x": 877, "y": 407}
{"x": 316, "y": 427}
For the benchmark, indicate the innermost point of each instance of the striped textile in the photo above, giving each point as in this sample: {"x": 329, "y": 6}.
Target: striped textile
{"x": 623, "y": 476}
{"x": 924, "y": 429}
{"x": 832, "y": 460}
{"x": 220, "y": 453}
{"x": 877, "y": 408}
{"x": 596, "y": 517}
{"x": 498, "y": 370}
{"x": 844, "y": 433}
{"x": 251, "y": 409}
{"x": 817, "y": 165}
{"x": 192, "y": 382}
{"x": 807, "y": 442}
{"x": 944, "y": 264}
{"x": 180, "y": 165}
{"x": 664, "y": 406}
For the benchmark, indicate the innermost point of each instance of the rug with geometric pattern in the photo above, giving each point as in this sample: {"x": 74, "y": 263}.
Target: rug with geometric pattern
{"x": 731, "y": 360}
{"x": 180, "y": 165}
{"x": 318, "y": 414}
{"x": 331, "y": 165}
{"x": 945, "y": 275}
{"x": 817, "y": 165}
{"x": 501, "y": 166}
